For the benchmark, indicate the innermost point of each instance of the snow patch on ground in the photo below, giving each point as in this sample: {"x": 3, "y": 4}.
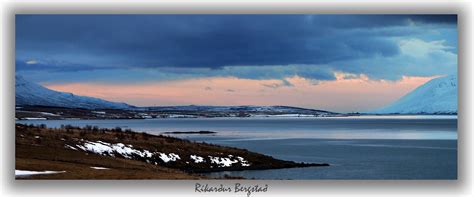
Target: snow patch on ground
{"x": 222, "y": 161}
{"x": 228, "y": 161}
{"x": 170, "y": 157}
{"x": 146, "y": 153}
{"x": 104, "y": 148}
{"x": 99, "y": 168}
{"x": 243, "y": 162}
{"x": 127, "y": 151}
{"x": 197, "y": 159}
{"x": 31, "y": 173}
{"x": 70, "y": 147}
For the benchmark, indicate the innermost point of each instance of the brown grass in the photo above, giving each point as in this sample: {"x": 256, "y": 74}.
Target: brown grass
{"x": 39, "y": 148}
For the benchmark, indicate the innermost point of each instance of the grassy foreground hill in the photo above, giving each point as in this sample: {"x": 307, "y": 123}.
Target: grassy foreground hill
{"x": 98, "y": 153}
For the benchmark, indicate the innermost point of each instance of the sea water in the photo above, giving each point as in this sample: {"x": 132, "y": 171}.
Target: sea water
{"x": 364, "y": 147}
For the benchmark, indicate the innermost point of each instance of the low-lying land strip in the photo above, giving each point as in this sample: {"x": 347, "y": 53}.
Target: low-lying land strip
{"x": 99, "y": 153}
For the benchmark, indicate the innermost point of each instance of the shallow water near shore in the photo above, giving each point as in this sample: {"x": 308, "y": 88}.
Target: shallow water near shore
{"x": 355, "y": 159}
{"x": 366, "y": 147}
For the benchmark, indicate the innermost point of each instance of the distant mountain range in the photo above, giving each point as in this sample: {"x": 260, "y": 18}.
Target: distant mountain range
{"x": 437, "y": 96}
{"x": 243, "y": 108}
{"x": 29, "y": 93}
{"x": 32, "y": 94}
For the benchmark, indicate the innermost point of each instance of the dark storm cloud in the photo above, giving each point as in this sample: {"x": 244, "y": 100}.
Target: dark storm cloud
{"x": 440, "y": 19}
{"x": 91, "y": 42}
{"x": 33, "y": 64}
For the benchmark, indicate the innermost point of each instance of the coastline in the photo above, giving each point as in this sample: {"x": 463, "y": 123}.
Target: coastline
{"x": 98, "y": 153}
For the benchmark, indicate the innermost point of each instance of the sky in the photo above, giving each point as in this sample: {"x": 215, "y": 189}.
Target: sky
{"x": 342, "y": 63}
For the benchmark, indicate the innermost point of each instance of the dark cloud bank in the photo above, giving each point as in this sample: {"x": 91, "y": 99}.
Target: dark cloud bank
{"x": 206, "y": 45}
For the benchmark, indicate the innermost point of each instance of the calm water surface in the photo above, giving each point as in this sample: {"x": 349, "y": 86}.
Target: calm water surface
{"x": 368, "y": 147}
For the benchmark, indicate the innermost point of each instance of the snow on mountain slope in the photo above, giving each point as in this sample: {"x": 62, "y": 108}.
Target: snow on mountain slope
{"x": 29, "y": 93}
{"x": 437, "y": 96}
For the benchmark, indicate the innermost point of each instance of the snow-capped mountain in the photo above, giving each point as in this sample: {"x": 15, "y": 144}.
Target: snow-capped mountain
{"x": 29, "y": 93}
{"x": 437, "y": 96}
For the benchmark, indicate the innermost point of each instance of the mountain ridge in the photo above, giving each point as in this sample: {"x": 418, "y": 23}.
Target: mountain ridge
{"x": 437, "y": 96}
{"x": 30, "y": 93}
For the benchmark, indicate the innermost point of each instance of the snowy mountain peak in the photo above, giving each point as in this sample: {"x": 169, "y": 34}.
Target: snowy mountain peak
{"x": 437, "y": 96}
{"x": 29, "y": 93}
